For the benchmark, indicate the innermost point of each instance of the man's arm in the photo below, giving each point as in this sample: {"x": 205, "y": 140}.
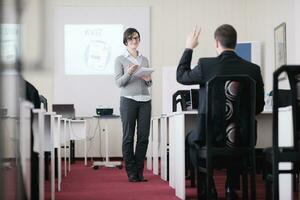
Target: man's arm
{"x": 185, "y": 75}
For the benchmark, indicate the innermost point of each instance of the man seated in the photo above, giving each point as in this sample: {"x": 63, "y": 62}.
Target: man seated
{"x": 226, "y": 63}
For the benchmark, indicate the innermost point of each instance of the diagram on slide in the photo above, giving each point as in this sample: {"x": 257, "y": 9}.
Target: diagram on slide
{"x": 92, "y": 49}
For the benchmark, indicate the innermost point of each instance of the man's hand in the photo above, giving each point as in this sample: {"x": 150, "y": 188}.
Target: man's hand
{"x": 146, "y": 78}
{"x": 132, "y": 69}
{"x": 192, "y": 38}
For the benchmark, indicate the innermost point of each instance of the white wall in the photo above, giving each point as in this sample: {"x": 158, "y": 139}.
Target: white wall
{"x": 297, "y": 31}
{"x": 171, "y": 20}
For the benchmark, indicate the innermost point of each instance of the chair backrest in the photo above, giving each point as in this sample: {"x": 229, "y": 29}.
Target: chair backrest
{"x": 293, "y": 74}
{"x": 230, "y": 111}
{"x": 184, "y": 100}
{"x": 44, "y": 102}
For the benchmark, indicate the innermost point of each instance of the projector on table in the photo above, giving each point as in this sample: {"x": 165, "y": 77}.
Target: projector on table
{"x": 104, "y": 111}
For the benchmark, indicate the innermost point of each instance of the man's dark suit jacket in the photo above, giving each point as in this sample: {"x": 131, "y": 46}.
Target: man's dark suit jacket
{"x": 227, "y": 63}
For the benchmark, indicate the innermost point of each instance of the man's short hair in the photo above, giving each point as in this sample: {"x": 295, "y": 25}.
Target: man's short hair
{"x": 226, "y": 35}
{"x": 128, "y": 33}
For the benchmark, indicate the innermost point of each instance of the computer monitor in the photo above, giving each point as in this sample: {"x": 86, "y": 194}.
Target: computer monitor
{"x": 250, "y": 51}
{"x": 194, "y": 93}
{"x": 66, "y": 110}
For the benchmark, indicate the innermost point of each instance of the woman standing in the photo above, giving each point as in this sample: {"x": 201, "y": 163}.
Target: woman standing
{"x": 135, "y": 105}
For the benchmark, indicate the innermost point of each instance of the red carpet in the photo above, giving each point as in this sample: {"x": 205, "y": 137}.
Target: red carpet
{"x": 85, "y": 183}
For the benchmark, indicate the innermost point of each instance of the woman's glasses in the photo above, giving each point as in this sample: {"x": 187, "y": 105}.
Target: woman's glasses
{"x": 134, "y": 38}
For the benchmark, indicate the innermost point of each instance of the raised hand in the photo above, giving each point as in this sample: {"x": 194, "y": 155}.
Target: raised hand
{"x": 192, "y": 38}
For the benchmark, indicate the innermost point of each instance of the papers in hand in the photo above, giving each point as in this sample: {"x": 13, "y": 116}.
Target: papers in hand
{"x": 142, "y": 71}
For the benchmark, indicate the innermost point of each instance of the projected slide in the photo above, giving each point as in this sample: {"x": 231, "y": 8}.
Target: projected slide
{"x": 92, "y": 49}
{"x": 9, "y": 42}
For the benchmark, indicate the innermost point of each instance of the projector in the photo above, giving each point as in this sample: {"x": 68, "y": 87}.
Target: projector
{"x": 104, "y": 111}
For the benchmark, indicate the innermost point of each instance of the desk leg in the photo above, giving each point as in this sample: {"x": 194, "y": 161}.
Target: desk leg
{"x": 155, "y": 132}
{"x": 85, "y": 152}
{"x": 177, "y": 156}
{"x": 69, "y": 155}
{"x": 106, "y": 142}
{"x": 59, "y": 167}
{"x": 149, "y": 151}
{"x": 65, "y": 156}
{"x": 52, "y": 174}
{"x": 106, "y": 163}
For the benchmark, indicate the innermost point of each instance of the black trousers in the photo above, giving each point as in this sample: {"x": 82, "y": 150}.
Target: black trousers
{"x": 135, "y": 113}
{"x": 191, "y": 154}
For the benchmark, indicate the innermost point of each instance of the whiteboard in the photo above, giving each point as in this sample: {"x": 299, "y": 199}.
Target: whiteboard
{"x": 90, "y": 90}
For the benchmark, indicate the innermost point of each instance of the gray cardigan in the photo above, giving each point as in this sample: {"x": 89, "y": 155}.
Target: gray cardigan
{"x": 129, "y": 84}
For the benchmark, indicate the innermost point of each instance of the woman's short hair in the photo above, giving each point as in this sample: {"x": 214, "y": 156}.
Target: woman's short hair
{"x": 226, "y": 35}
{"x": 128, "y": 33}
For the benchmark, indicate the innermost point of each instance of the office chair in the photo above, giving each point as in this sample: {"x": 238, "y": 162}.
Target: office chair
{"x": 284, "y": 154}
{"x": 230, "y": 129}
{"x": 183, "y": 100}
{"x": 44, "y": 102}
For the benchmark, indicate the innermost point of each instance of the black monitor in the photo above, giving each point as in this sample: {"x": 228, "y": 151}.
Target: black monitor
{"x": 194, "y": 93}
{"x": 66, "y": 110}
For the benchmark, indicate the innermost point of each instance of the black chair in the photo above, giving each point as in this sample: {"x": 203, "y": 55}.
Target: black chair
{"x": 284, "y": 154}
{"x": 230, "y": 129}
{"x": 184, "y": 100}
{"x": 44, "y": 101}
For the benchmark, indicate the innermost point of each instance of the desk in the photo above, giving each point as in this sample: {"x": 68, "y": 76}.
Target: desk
{"x": 105, "y": 129}
{"x": 164, "y": 146}
{"x": 180, "y": 123}
{"x": 158, "y": 146}
{"x": 25, "y": 145}
{"x": 78, "y": 132}
{"x": 57, "y": 143}
{"x": 155, "y": 143}
{"x": 149, "y": 154}
{"x": 49, "y": 146}
{"x": 39, "y": 132}
{"x": 65, "y": 141}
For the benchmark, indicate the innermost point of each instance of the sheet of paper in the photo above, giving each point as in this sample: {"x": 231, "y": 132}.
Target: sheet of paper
{"x": 143, "y": 71}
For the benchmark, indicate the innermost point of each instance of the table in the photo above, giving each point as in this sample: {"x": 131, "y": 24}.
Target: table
{"x": 155, "y": 143}
{"x": 78, "y": 132}
{"x": 164, "y": 146}
{"x": 49, "y": 146}
{"x": 25, "y": 145}
{"x": 104, "y": 119}
{"x": 65, "y": 141}
{"x": 180, "y": 123}
{"x": 38, "y": 132}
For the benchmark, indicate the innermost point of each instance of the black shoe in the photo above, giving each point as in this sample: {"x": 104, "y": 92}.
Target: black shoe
{"x": 142, "y": 178}
{"x": 133, "y": 179}
{"x": 230, "y": 194}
